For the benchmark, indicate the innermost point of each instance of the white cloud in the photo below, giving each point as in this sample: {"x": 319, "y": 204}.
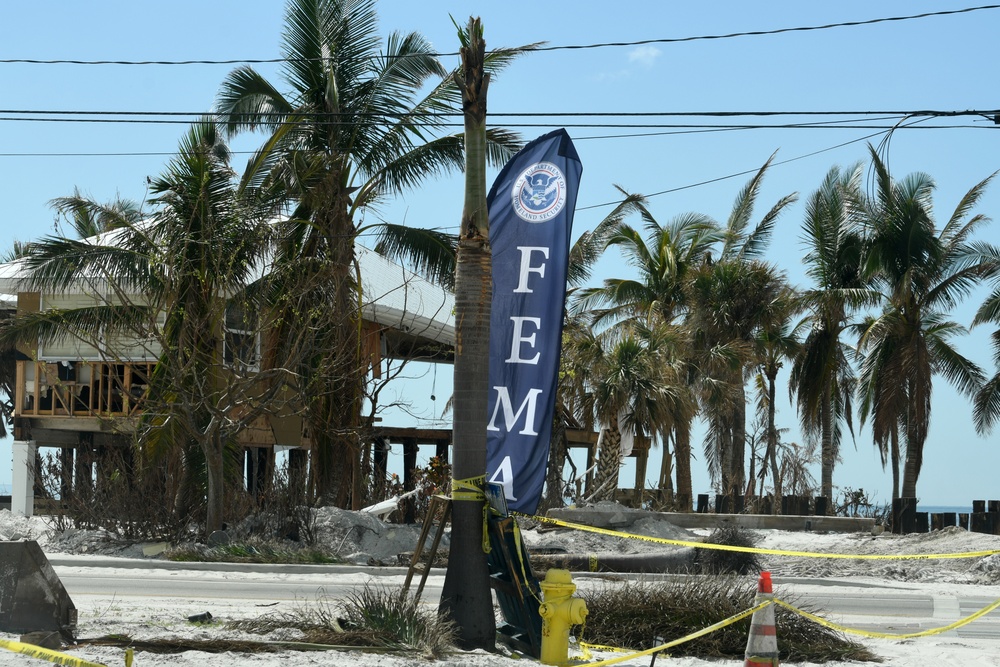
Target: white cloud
{"x": 644, "y": 55}
{"x": 611, "y": 75}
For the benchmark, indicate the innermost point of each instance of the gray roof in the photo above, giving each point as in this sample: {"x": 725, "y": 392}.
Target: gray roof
{"x": 392, "y": 296}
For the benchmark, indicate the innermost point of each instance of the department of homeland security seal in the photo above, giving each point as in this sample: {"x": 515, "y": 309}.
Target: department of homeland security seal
{"x": 539, "y": 193}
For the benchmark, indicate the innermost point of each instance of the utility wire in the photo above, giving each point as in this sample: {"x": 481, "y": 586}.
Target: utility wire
{"x": 532, "y": 114}
{"x": 986, "y": 113}
{"x": 739, "y": 173}
{"x": 755, "y": 126}
{"x": 630, "y": 135}
{"x": 569, "y": 47}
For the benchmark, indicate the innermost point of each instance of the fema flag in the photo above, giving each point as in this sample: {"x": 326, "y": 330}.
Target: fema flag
{"x": 531, "y": 209}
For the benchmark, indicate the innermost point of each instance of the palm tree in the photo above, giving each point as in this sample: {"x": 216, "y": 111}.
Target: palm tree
{"x": 922, "y": 274}
{"x": 630, "y": 384}
{"x": 986, "y": 404}
{"x": 731, "y": 303}
{"x": 656, "y": 298}
{"x": 89, "y": 218}
{"x": 776, "y": 343}
{"x": 351, "y": 131}
{"x": 822, "y": 378}
{"x": 730, "y": 298}
{"x": 198, "y": 250}
{"x": 465, "y": 597}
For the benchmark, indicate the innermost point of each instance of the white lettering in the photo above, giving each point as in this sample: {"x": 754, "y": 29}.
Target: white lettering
{"x": 505, "y": 475}
{"x": 515, "y": 346}
{"x": 510, "y": 417}
{"x": 527, "y": 268}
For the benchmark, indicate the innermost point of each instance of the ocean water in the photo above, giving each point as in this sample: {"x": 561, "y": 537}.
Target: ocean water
{"x": 936, "y": 509}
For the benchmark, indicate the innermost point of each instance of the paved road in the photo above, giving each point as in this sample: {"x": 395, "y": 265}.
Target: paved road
{"x": 209, "y": 584}
{"x": 889, "y": 608}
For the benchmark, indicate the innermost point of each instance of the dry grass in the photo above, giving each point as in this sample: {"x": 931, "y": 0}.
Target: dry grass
{"x": 371, "y": 616}
{"x": 632, "y": 615}
{"x": 254, "y": 551}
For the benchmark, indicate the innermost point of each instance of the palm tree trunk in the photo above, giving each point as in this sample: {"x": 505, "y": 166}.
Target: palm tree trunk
{"x": 739, "y": 441}
{"x": 666, "y": 467}
{"x": 911, "y": 466}
{"x": 609, "y": 463}
{"x": 466, "y": 598}
{"x": 216, "y": 481}
{"x": 914, "y": 448}
{"x": 725, "y": 431}
{"x": 336, "y": 421}
{"x": 827, "y": 453}
{"x": 772, "y": 443}
{"x": 557, "y": 460}
{"x": 894, "y": 462}
{"x": 186, "y": 486}
{"x": 682, "y": 457}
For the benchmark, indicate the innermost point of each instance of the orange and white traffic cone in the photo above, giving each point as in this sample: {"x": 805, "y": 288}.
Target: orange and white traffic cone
{"x": 762, "y": 643}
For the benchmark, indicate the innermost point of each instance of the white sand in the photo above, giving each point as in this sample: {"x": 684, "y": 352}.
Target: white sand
{"x": 978, "y": 577}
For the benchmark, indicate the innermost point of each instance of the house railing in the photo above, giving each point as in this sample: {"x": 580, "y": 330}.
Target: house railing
{"x": 81, "y": 388}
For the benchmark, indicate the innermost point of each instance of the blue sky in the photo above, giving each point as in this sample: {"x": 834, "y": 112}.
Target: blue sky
{"x": 941, "y": 63}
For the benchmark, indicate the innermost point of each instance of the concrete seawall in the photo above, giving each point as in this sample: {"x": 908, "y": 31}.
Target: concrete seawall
{"x": 620, "y": 519}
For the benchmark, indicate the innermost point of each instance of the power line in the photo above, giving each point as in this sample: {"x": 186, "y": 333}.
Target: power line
{"x": 568, "y": 47}
{"x": 738, "y": 173}
{"x": 986, "y": 113}
{"x": 539, "y": 125}
{"x": 777, "y": 31}
{"x": 677, "y": 131}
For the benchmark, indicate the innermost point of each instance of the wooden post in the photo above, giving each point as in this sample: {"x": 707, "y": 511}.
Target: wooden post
{"x": 297, "y": 460}
{"x": 66, "y": 474}
{"x": 641, "y": 460}
{"x": 903, "y": 515}
{"x": 83, "y": 470}
{"x": 441, "y": 450}
{"x": 410, "y": 449}
{"x": 702, "y": 503}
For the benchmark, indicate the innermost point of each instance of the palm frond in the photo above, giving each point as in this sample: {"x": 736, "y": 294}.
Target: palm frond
{"x": 431, "y": 253}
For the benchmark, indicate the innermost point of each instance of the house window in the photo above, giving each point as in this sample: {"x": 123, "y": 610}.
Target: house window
{"x": 241, "y": 343}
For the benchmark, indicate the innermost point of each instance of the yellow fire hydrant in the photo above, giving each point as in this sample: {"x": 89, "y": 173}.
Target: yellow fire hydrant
{"x": 559, "y": 612}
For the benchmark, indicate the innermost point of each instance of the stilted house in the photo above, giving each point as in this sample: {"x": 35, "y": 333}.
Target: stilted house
{"x": 80, "y": 396}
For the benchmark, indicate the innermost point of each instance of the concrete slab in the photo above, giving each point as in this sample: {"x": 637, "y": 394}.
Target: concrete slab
{"x": 621, "y": 518}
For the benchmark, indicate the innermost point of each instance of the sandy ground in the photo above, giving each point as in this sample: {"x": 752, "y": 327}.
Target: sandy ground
{"x": 164, "y": 617}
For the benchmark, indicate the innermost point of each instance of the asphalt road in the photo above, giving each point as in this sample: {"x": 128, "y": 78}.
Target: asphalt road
{"x": 890, "y": 608}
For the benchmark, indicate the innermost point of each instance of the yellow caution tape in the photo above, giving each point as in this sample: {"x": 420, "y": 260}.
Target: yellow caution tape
{"x": 33, "y": 651}
{"x": 587, "y": 647}
{"x": 656, "y": 649}
{"x": 468, "y": 489}
{"x": 518, "y": 547}
{"x": 755, "y": 550}
{"x": 886, "y": 635}
{"x": 471, "y": 489}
